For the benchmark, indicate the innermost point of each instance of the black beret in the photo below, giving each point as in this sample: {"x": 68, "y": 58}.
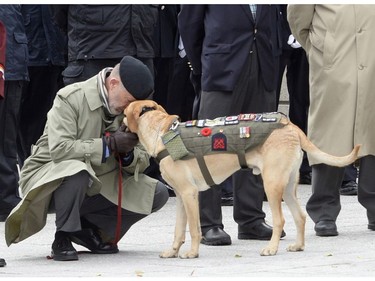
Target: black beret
{"x": 136, "y": 78}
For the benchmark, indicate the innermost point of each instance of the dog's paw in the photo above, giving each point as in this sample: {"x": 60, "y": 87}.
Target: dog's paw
{"x": 295, "y": 248}
{"x": 169, "y": 254}
{"x": 268, "y": 251}
{"x": 189, "y": 255}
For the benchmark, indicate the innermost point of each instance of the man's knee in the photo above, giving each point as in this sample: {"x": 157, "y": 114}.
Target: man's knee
{"x": 75, "y": 184}
{"x": 161, "y": 196}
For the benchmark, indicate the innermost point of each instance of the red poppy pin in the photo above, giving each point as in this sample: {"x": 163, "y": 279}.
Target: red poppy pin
{"x": 206, "y": 132}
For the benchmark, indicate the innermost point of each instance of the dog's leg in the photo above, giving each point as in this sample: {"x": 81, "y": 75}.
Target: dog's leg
{"x": 274, "y": 185}
{"x": 290, "y": 198}
{"x": 180, "y": 230}
{"x": 190, "y": 200}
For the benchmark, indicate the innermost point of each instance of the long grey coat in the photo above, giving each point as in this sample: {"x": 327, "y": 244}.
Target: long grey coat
{"x": 339, "y": 41}
{"x": 72, "y": 142}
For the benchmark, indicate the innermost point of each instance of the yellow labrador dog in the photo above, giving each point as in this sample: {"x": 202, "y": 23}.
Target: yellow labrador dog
{"x": 277, "y": 159}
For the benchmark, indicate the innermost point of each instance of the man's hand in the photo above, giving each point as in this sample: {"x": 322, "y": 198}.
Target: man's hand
{"x": 293, "y": 42}
{"x": 121, "y": 141}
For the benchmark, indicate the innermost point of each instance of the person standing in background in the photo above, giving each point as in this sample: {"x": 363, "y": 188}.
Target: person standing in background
{"x": 234, "y": 49}
{"x": 293, "y": 60}
{"x": 173, "y": 88}
{"x": 165, "y": 48}
{"x": 2, "y": 68}
{"x": 165, "y": 42}
{"x": 181, "y": 93}
{"x": 338, "y": 40}
{"x": 16, "y": 75}
{"x": 104, "y": 36}
{"x": 47, "y": 57}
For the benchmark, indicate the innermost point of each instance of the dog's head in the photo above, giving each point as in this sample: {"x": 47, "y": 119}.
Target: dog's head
{"x": 136, "y": 109}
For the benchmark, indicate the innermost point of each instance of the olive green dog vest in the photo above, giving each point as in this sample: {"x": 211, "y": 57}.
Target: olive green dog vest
{"x": 232, "y": 134}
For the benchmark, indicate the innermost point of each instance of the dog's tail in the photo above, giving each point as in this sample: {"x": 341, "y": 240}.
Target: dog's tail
{"x": 323, "y": 157}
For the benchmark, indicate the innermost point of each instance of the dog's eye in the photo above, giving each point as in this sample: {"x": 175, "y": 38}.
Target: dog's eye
{"x": 146, "y": 109}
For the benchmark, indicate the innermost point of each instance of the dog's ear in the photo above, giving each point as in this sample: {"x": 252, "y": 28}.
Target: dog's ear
{"x": 131, "y": 116}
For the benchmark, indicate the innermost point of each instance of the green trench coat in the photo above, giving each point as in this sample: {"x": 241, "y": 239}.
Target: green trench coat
{"x": 72, "y": 142}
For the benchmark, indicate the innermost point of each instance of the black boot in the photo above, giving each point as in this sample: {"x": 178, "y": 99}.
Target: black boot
{"x": 62, "y": 248}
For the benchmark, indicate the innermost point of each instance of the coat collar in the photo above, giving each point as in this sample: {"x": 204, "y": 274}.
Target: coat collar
{"x": 90, "y": 87}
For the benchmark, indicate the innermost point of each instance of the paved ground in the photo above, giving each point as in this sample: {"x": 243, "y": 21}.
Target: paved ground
{"x": 351, "y": 254}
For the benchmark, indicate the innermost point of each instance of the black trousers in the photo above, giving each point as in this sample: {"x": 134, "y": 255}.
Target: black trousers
{"x": 324, "y": 203}
{"x": 37, "y": 100}
{"x": 9, "y": 120}
{"x": 297, "y": 77}
{"x": 350, "y": 174}
{"x": 74, "y": 210}
{"x": 248, "y": 96}
{"x": 181, "y": 93}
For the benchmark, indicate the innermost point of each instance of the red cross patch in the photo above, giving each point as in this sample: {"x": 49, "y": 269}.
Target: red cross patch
{"x": 219, "y": 142}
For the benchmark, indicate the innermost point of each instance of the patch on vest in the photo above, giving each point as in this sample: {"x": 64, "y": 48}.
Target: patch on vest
{"x": 219, "y": 142}
{"x": 245, "y": 132}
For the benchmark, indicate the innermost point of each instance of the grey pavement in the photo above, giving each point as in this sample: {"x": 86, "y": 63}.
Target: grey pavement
{"x": 349, "y": 255}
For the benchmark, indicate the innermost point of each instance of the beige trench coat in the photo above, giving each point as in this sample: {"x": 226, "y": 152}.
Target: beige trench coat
{"x": 72, "y": 142}
{"x": 340, "y": 44}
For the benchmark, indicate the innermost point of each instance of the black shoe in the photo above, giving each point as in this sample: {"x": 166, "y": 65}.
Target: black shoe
{"x": 349, "y": 188}
{"x": 62, "y": 248}
{"x": 261, "y": 231}
{"x": 91, "y": 240}
{"x": 216, "y": 237}
{"x": 305, "y": 178}
{"x": 2, "y": 263}
{"x": 326, "y": 228}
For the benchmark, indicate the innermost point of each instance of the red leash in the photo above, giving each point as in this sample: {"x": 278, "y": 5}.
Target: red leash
{"x": 119, "y": 200}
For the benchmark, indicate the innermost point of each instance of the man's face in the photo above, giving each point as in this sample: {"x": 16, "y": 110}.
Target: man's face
{"x": 118, "y": 98}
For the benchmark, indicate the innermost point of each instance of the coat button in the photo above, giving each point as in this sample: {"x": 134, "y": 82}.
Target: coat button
{"x": 360, "y": 67}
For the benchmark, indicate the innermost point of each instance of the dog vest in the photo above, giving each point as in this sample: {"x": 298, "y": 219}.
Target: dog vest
{"x": 231, "y": 134}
